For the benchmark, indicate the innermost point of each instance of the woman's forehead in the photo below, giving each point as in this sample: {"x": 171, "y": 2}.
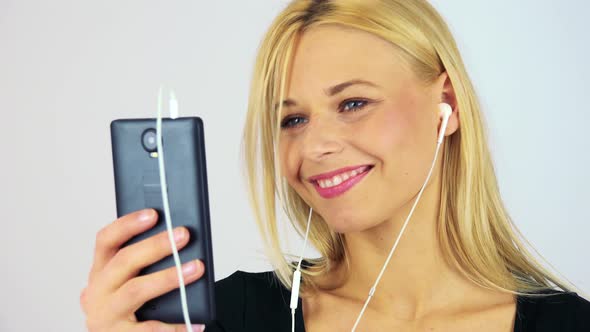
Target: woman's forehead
{"x": 328, "y": 55}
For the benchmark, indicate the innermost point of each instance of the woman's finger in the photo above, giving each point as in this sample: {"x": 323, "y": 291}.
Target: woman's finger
{"x": 137, "y": 291}
{"x": 111, "y": 237}
{"x": 127, "y": 263}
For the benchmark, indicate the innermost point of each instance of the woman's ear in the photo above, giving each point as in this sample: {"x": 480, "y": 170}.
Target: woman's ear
{"x": 445, "y": 93}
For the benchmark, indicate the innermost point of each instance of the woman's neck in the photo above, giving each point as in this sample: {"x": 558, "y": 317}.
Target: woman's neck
{"x": 417, "y": 278}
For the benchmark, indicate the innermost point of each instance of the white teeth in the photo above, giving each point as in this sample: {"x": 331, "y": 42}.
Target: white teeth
{"x": 338, "y": 179}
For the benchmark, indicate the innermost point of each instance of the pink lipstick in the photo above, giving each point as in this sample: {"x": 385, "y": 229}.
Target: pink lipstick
{"x": 335, "y": 183}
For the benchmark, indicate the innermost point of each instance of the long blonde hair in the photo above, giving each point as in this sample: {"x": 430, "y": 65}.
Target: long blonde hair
{"x": 475, "y": 231}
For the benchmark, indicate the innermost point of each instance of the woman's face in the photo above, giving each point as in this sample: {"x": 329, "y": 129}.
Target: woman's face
{"x": 358, "y": 130}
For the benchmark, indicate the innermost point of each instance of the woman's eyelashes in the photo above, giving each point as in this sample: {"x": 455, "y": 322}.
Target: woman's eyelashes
{"x": 344, "y": 106}
{"x": 292, "y": 121}
{"x": 350, "y": 105}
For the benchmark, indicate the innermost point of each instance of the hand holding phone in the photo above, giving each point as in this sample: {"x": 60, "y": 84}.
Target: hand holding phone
{"x": 138, "y": 186}
{"x": 147, "y": 251}
{"x": 114, "y": 291}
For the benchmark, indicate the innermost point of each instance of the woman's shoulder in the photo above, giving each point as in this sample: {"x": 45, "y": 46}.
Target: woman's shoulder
{"x": 254, "y": 301}
{"x": 258, "y": 301}
{"x": 554, "y": 311}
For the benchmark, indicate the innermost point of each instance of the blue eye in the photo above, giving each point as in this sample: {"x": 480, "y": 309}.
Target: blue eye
{"x": 292, "y": 121}
{"x": 352, "y": 105}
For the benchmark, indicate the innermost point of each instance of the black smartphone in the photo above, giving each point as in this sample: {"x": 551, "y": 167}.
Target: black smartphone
{"x": 137, "y": 186}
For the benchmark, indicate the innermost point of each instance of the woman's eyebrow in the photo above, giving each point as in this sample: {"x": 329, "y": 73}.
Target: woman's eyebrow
{"x": 331, "y": 91}
{"x": 340, "y": 87}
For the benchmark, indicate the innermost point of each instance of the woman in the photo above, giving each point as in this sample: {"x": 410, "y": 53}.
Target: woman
{"x": 344, "y": 119}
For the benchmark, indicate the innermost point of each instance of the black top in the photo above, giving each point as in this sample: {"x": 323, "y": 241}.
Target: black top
{"x": 259, "y": 302}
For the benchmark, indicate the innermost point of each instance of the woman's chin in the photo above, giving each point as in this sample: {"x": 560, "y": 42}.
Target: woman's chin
{"x": 349, "y": 223}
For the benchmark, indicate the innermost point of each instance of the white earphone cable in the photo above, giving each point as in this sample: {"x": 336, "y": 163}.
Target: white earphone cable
{"x": 297, "y": 275}
{"x": 372, "y": 291}
{"x": 305, "y": 240}
{"x": 163, "y": 185}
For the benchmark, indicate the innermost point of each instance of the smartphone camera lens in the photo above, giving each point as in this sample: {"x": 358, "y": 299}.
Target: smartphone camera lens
{"x": 148, "y": 139}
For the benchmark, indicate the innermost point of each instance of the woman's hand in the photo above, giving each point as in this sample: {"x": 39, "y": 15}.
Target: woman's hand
{"x": 114, "y": 290}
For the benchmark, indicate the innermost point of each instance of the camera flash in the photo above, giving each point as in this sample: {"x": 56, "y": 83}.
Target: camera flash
{"x": 154, "y": 154}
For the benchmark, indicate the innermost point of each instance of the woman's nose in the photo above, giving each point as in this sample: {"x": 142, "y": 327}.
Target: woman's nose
{"x": 321, "y": 139}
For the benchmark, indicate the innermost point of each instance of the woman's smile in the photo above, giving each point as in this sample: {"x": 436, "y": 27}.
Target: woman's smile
{"x": 335, "y": 183}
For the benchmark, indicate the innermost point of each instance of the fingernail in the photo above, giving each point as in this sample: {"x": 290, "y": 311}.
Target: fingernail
{"x": 198, "y": 328}
{"x": 146, "y": 215}
{"x": 189, "y": 268}
{"x": 179, "y": 234}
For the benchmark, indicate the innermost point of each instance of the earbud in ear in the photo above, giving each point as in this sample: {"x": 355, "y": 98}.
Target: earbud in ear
{"x": 445, "y": 112}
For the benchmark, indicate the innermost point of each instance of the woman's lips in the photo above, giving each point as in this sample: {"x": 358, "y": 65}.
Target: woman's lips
{"x": 326, "y": 187}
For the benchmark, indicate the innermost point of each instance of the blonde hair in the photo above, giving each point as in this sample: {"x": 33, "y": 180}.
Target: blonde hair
{"x": 475, "y": 231}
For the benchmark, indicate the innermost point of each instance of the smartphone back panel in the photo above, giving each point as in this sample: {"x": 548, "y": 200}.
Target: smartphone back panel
{"x": 137, "y": 186}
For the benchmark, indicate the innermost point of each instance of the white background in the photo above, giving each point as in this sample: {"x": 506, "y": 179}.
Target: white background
{"x": 67, "y": 68}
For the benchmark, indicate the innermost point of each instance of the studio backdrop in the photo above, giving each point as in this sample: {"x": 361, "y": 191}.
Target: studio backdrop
{"x": 68, "y": 68}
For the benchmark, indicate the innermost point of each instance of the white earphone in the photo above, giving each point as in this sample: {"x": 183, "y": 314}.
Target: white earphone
{"x": 445, "y": 112}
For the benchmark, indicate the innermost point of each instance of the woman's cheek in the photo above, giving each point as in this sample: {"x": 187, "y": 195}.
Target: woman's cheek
{"x": 283, "y": 159}
{"x": 386, "y": 132}
{"x": 288, "y": 161}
